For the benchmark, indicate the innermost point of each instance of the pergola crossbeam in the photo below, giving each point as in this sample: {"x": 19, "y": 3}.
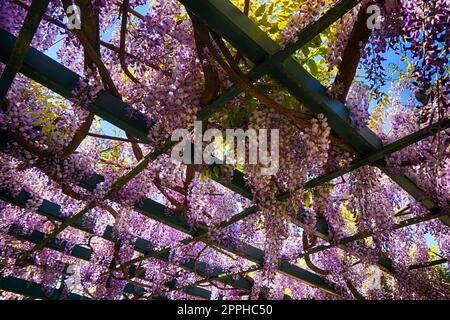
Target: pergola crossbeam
{"x": 269, "y": 59}
{"x": 34, "y": 290}
{"x": 83, "y": 253}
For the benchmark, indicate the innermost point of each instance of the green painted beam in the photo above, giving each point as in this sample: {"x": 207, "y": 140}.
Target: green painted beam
{"x": 21, "y": 45}
{"x": 59, "y": 245}
{"x": 62, "y": 246}
{"x": 115, "y": 187}
{"x": 34, "y": 290}
{"x": 177, "y": 221}
{"x": 158, "y": 211}
{"x": 360, "y": 236}
{"x": 200, "y": 234}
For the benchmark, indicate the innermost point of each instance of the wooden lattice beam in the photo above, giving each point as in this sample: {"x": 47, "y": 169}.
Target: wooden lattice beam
{"x": 29, "y": 27}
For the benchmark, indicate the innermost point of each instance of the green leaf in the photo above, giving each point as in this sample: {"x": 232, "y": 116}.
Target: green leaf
{"x": 260, "y": 10}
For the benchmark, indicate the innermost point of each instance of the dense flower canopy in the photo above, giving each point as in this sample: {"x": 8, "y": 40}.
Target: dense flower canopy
{"x": 110, "y": 215}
